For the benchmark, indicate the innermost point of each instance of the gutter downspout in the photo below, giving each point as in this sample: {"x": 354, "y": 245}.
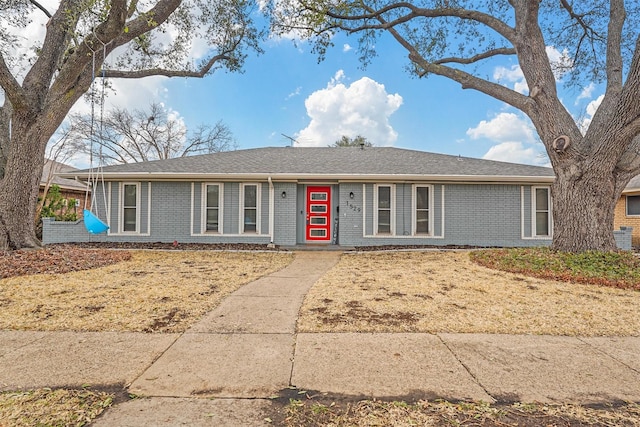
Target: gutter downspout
{"x": 271, "y": 208}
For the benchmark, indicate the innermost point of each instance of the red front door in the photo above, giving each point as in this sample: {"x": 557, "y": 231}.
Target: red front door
{"x": 318, "y": 214}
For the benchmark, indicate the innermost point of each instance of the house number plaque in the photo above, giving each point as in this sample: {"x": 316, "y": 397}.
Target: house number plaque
{"x": 353, "y": 207}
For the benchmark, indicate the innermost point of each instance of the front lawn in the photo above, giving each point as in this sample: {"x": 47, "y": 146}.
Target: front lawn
{"x": 434, "y": 291}
{"x": 140, "y": 291}
{"x": 445, "y": 291}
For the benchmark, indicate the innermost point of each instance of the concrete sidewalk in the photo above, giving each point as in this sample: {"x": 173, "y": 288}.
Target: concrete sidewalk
{"x": 226, "y": 369}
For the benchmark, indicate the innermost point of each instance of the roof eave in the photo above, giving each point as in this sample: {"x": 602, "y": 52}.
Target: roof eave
{"x": 167, "y": 176}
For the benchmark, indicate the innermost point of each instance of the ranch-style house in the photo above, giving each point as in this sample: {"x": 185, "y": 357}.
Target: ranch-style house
{"x": 294, "y": 196}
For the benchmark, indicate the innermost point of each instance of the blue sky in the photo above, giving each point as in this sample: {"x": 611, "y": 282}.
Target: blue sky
{"x": 286, "y": 91}
{"x": 396, "y": 109}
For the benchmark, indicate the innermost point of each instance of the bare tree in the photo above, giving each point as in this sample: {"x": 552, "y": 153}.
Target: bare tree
{"x": 59, "y": 150}
{"x": 459, "y": 39}
{"x": 123, "y": 136}
{"x": 43, "y": 78}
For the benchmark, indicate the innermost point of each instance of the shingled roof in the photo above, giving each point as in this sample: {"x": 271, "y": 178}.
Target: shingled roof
{"x": 633, "y": 186}
{"x": 52, "y": 167}
{"x": 328, "y": 163}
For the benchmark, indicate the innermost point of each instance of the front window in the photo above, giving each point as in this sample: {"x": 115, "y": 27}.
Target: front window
{"x": 542, "y": 211}
{"x": 633, "y": 205}
{"x": 213, "y": 208}
{"x": 250, "y": 208}
{"x": 384, "y": 209}
{"x": 422, "y": 210}
{"x": 130, "y": 208}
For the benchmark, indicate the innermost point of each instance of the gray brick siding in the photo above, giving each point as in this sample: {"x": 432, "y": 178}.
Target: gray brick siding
{"x": 169, "y": 216}
{"x": 231, "y": 208}
{"x": 623, "y": 238}
{"x": 438, "y": 212}
{"x": 474, "y": 214}
{"x": 285, "y": 213}
{"x": 526, "y": 199}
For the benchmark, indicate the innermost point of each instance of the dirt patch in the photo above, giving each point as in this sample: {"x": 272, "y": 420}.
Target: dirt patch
{"x": 153, "y": 291}
{"x": 56, "y": 260}
{"x": 444, "y": 291}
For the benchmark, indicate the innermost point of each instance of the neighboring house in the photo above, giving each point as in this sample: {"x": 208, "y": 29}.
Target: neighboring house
{"x": 69, "y": 188}
{"x": 627, "y": 211}
{"x": 299, "y": 196}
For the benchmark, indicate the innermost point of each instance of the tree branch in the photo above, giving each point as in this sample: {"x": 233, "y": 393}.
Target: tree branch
{"x": 12, "y": 89}
{"x": 42, "y": 8}
{"x": 623, "y": 119}
{"x": 580, "y": 20}
{"x": 477, "y": 58}
{"x": 168, "y": 73}
{"x": 549, "y": 116}
{"x": 466, "y": 80}
{"x": 617, "y": 17}
{"x": 53, "y": 47}
{"x": 372, "y": 14}
{"x": 469, "y": 81}
{"x": 140, "y": 25}
{"x": 73, "y": 77}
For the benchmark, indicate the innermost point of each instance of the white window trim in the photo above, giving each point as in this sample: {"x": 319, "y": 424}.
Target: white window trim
{"x": 626, "y": 206}
{"x": 109, "y": 197}
{"x": 534, "y": 210}
{"x": 258, "y": 210}
{"x": 414, "y": 211}
{"x": 121, "y": 210}
{"x": 203, "y": 204}
{"x": 392, "y": 213}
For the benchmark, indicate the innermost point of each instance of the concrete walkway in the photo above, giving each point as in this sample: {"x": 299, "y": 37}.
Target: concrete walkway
{"x": 225, "y": 370}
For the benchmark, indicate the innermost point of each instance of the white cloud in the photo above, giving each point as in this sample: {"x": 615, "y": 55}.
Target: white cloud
{"x": 560, "y": 62}
{"x": 294, "y": 93}
{"x": 515, "y": 139}
{"x": 586, "y": 93}
{"x": 591, "y": 109}
{"x": 337, "y": 78}
{"x": 511, "y": 75}
{"x": 594, "y": 105}
{"x": 362, "y": 108}
{"x": 515, "y": 152}
{"x": 504, "y": 127}
{"x": 129, "y": 93}
{"x": 346, "y": 47}
{"x": 521, "y": 86}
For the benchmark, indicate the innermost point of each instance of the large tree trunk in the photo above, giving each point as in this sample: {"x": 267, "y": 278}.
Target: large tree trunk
{"x": 20, "y": 183}
{"x": 583, "y": 210}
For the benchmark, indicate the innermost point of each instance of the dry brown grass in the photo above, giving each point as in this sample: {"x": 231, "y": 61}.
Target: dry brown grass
{"x": 46, "y": 407}
{"x": 445, "y": 292}
{"x": 369, "y": 413}
{"x": 153, "y": 292}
